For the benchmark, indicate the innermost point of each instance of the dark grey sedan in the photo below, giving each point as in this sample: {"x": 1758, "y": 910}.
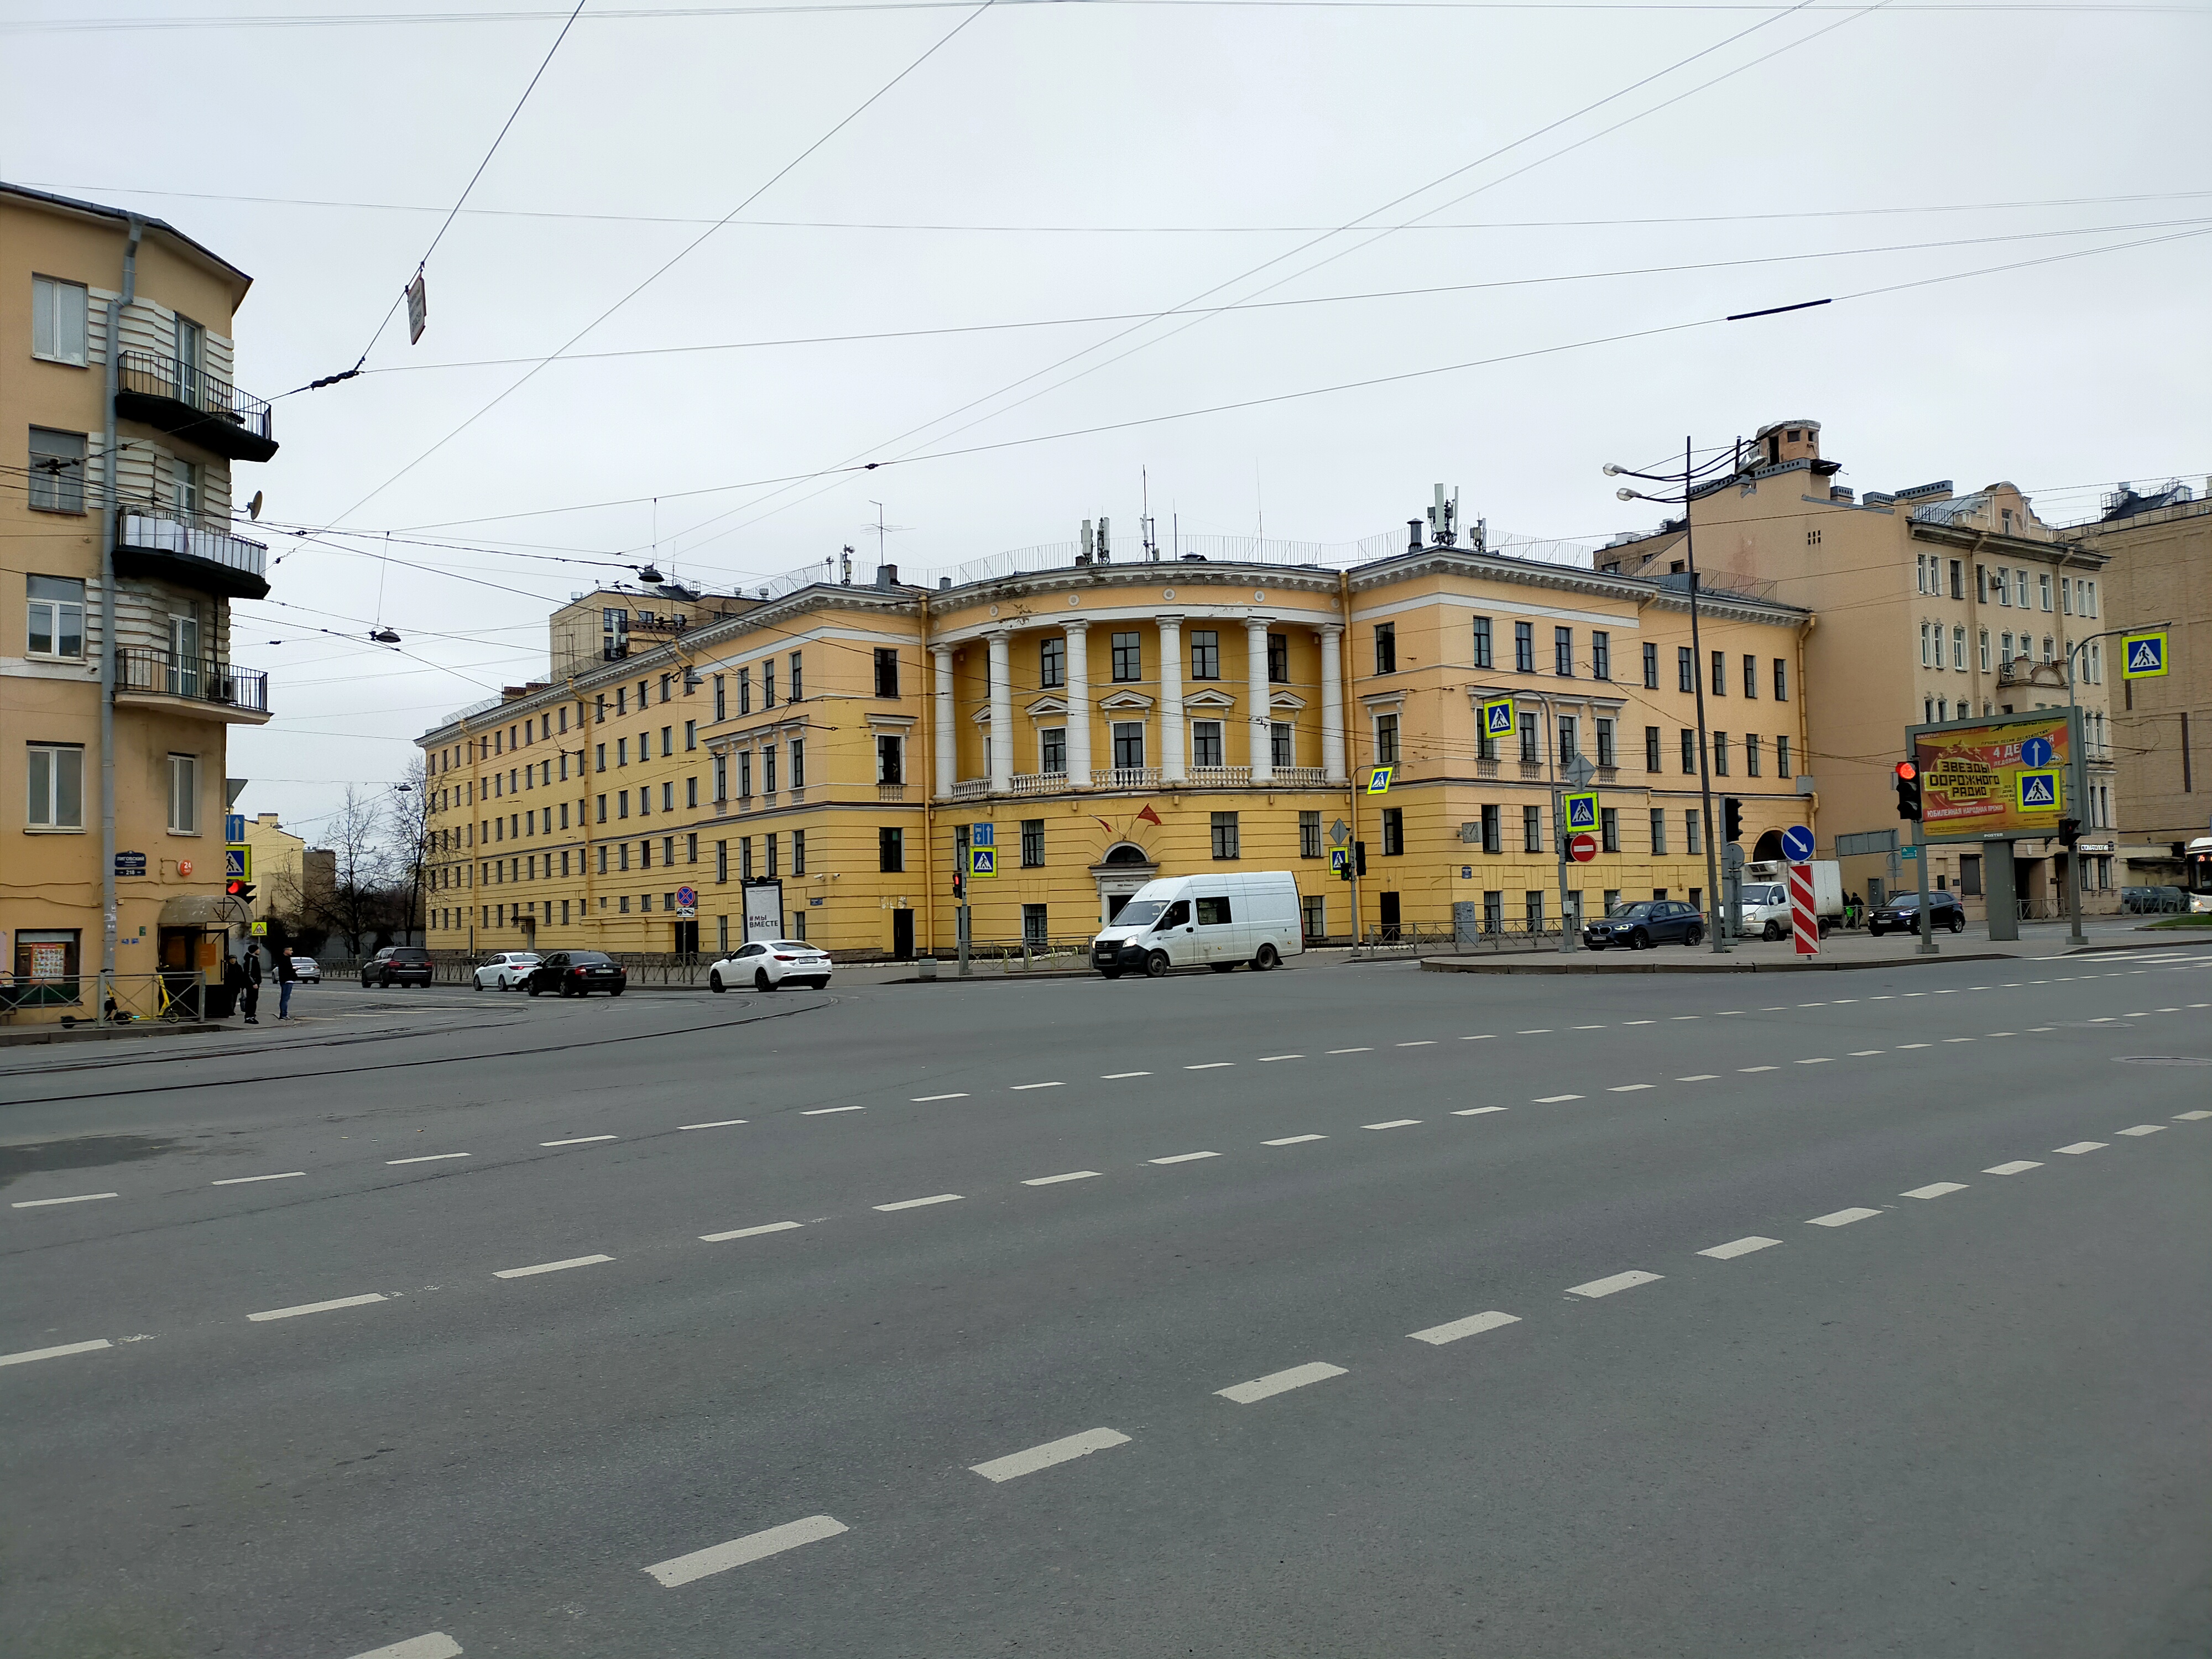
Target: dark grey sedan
{"x": 1645, "y": 923}
{"x": 1902, "y": 914}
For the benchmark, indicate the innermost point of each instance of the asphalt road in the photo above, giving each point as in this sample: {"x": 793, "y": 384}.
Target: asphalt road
{"x": 1350, "y": 1312}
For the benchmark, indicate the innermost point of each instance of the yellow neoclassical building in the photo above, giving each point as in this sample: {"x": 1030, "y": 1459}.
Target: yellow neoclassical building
{"x": 818, "y": 759}
{"x": 115, "y": 373}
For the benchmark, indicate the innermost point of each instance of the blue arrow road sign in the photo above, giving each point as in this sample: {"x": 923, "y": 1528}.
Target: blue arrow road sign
{"x": 2036, "y": 751}
{"x": 1797, "y": 844}
{"x": 982, "y": 835}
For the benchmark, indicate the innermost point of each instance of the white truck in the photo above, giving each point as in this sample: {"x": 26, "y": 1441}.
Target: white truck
{"x": 1763, "y": 910}
{"x": 1181, "y": 921}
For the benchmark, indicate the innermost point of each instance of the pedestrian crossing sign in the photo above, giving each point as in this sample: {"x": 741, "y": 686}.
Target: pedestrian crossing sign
{"x": 238, "y": 863}
{"x": 1340, "y": 858}
{"x": 2142, "y": 656}
{"x": 1378, "y": 781}
{"x": 1498, "y": 719}
{"x": 2038, "y": 791}
{"x": 1581, "y": 813}
{"x": 982, "y": 860}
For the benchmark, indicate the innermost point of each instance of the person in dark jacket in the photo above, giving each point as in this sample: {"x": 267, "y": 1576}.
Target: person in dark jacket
{"x": 251, "y": 991}
{"x": 286, "y": 979}
{"x": 233, "y": 981}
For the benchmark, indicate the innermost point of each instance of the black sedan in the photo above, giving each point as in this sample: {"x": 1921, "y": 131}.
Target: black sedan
{"x": 1645, "y": 923}
{"x": 577, "y": 974}
{"x": 1902, "y": 914}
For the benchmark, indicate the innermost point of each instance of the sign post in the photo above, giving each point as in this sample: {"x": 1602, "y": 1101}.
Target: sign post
{"x": 1804, "y": 919}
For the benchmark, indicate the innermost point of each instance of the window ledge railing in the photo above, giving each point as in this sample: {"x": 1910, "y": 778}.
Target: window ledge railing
{"x": 890, "y": 791}
{"x": 1532, "y": 769}
{"x": 1126, "y": 777}
{"x": 971, "y": 788}
{"x": 1486, "y": 769}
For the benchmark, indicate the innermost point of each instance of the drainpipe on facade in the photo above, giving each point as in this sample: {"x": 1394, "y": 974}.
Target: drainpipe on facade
{"x": 108, "y": 509}
{"x": 928, "y": 791}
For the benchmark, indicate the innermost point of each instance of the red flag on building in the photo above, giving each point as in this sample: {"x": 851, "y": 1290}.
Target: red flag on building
{"x": 1148, "y": 816}
{"x": 1107, "y": 827}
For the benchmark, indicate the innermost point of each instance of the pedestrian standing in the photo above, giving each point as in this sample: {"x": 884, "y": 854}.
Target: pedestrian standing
{"x": 286, "y": 979}
{"x": 252, "y": 964}
{"x": 234, "y": 982}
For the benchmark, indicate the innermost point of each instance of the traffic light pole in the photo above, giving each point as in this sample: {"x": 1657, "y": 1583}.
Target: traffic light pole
{"x": 1927, "y": 946}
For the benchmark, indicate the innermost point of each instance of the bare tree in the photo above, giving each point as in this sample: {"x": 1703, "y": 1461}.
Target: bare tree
{"x": 355, "y": 902}
{"x": 407, "y": 822}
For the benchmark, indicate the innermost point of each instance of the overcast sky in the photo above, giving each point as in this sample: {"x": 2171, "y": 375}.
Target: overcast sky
{"x": 1078, "y": 161}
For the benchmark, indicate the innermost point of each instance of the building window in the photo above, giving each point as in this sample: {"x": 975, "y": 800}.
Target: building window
{"x": 1782, "y": 758}
{"x": 56, "y": 787}
{"x": 1658, "y": 833}
{"x": 1563, "y": 653}
{"x": 1034, "y": 933}
{"x": 1608, "y": 828}
{"x": 890, "y": 760}
{"x": 1750, "y": 675}
{"x": 1685, "y": 669}
{"x": 1128, "y": 745}
{"x": 1052, "y": 663}
{"x": 1570, "y": 743}
{"x": 56, "y": 480}
{"x": 184, "y": 794}
{"x": 799, "y": 855}
{"x": 1530, "y": 755}
{"x": 1532, "y": 829}
{"x": 58, "y": 313}
{"x": 1693, "y": 830}
{"x": 1205, "y": 654}
{"x": 668, "y": 796}
{"x": 1032, "y": 843}
{"x": 890, "y": 849}
{"x": 1128, "y": 658}
{"x": 1386, "y": 647}
{"x": 744, "y": 691}
{"x": 1309, "y": 834}
{"x": 1280, "y": 749}
{"x": 1651, "y": 666}
{"x": 1314, "y": 917}
{"x": 690, "y": 736}
{"x": 1720, "y": 755}
{"x": 622, "y": 803}
{"x": 1278, "y": 659}
{"x": 1394, "y": 832}
{"x": 1927, "y": 711}
{"x": 1651, "y": 749}
{"x": 721, "y": 862}
{"x": 1924, "y": 647}
{"x": 1482, "y": 657}
{"x": 744, "y": 774}
{"x": 1958, "y": 647}
{"x": 1689, "y": 752}
{"x": 768, "y": 684}
{"x": 1606, "y": 754}
{"x": 1224, "y": 835}
{"x": 721, "y": 699}
{"x": 1601, "y": 655}
{"x": 1531, "y": 909}
{"x": 1524, "y": 647}
{"x": 1205, "y": 742}
{"x": 55, "y": 616}
{"x": 798, "y": 681}
{"x": 1493, "y": 829}
{"x": 1385, "y": 740}
{"x": 1720, "y": 673}
{"x": 1052, "y": 751}
{"x": 1751, "y": 754}
{"x": 1493, "y": 912}
{"x": 769, "y": 845}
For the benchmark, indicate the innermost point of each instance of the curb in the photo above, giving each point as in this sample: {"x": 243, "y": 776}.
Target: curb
{"x": 1449, "y": 965}
{"x": 29, "y": 1036}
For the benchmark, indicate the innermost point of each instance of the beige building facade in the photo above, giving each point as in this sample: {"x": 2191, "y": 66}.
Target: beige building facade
{"x": 1927, "y": 605}
{"x": 160, "y": 372}
{"x": 1103, "y": 724}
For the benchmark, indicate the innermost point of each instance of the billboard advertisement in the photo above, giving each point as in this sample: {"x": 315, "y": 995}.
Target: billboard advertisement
{"x": 2012, "y": 774}
{"x": 764, "y": 909}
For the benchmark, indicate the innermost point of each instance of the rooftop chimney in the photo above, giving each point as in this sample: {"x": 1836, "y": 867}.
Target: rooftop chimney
{"x": 887, "y": 575}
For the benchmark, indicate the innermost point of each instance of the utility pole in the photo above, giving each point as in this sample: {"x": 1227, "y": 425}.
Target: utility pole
{"x": 2077, "y": 777}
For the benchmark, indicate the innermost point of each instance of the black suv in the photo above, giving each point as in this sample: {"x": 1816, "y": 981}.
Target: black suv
{"x": 1645, "y": 923}
{"x": 1902, "y": 914}
{"x": 397, "y": 964}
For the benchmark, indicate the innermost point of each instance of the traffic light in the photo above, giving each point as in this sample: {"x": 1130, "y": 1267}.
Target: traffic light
{"x": 1360, "y": 856}
{"x": 1345, "y": 869}
{"x": 1908, "y": 791}
{"x": 238, "y": 889}
{"x": 959, "y": 887}
{"x": 2070, "y": 831}
{"x": 1731, "y": 818}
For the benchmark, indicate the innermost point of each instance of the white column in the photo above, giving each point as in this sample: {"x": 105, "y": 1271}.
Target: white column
{"x": 1078, "y": 704}
{"x": 1262, "y": 723}
{"x": 948, "y": 756}
{"x": 1171, "y": 770}
{"x": 1002, "y": 713}
{"x": 1332, "y": 700}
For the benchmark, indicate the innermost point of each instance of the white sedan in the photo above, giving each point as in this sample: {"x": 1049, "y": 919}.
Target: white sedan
{"x": 509, "y": 970}
{"x": 766, "y": 963}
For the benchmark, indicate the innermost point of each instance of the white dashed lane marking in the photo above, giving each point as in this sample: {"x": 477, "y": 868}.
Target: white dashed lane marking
{"x": 1209, "y": 1066}
{"x": 1842, "y": 1218}
{"x": 1935, "y": 1189}
{"x": 2190, "y": 1117}
{"x": 74, "y": 1197}
{"x": 427, "y": 1157}
{"x": 241, "y": 1181}
{"x": 1018, "y": 1087}
{"x": 818, "y": 1111}
{"x": 2080, "y": 1146}
{"x": 1352, "y": 1051}
{"x": 1053, "y": 1180}
{"x": 575, "y": 1140}
{"x": 719, "y": 1124}
{"x": 319, "y": 1307}
{"x": 435, "y": 1645}
{"x": 754, "y": 1546}
{"x": 1261, "y": 1388}
{"x": 1184, "y": 1157}
{"x": 1480, "y": 1111}
{"x": 67, "y": 1348}
{"x": 1426, "y": 1042}
{"x": 1293, "y": 1141}
{"x": 1264, "y": 1058}
{"x": 1554, "y": 1100}
{"x": 1116, "y": 1077}
{"x": 2145, "y": 1129}
{"x": 917, "y": 1203}
{"x": 1019, "y": 1463}
{"x": 748, "y": 1232}
{"x": 923, "y": 1100}
{"x": 552, "y": 1267}
{"x": 1626, "y": 1088}
{"x": 1473, "y": 1325}
{"x": 2018, "y": 1166}
{"x": 1627, "y": 1281}
{"x": 1738, "y": 1247}
{"x": 1392, "y": 1123}
{"x": 1699, "y": 1077}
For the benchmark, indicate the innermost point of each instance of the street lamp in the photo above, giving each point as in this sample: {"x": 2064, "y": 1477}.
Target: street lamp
{"x": 1687, "y": 480}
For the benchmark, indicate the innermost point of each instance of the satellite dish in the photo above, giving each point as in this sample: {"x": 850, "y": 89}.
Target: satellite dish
{"x": 384, "y": 636}
{"x": 253, "y": 507}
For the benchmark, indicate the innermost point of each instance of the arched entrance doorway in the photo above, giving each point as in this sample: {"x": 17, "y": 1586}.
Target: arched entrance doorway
{"x": 1769, "y": 850}
{"x": 1126, "y": 867}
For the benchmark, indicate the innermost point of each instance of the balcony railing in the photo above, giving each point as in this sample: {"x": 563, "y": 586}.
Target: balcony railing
{"x": 1126, "y": 777}
{"x": 194, "y": 405}
{"x": 971, "y": 788}
{"x": 1219, "y": 777}
{"x": 1301, "y": 777}
{"x": 202, "y": 679}
{"x": 1039, "y": 783}
{"x": 1486, "y": 769}
{"x": 230, "y": 564}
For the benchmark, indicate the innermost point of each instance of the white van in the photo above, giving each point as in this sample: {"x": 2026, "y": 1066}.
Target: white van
{"x": 1181, "y": 921}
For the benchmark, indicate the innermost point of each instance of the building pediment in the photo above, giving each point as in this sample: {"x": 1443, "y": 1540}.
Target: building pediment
{"x": 1055, "y": 707}
{"x": 1287, "y": 701}
{"x": 1209, "y": 698}
{"x": 1125, "y": 701}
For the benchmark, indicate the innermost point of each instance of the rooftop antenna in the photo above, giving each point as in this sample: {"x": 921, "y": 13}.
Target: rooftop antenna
{"x": 1443, "y": 518}
{"x": 1105, "y": 547}
{"x": 845, "y": 567}
{"x": 1146, "y": 529}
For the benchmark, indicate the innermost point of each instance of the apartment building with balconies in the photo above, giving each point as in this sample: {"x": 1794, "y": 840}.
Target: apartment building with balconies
{"x": 108, "y": 318}
{"x": 1929, "y": 605}
{"x": 821, "y": 760}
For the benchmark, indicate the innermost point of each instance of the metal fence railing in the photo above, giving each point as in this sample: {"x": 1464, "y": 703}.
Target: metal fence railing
{"x": 1410, "y": 940}
{"x": 202, "y": 679}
